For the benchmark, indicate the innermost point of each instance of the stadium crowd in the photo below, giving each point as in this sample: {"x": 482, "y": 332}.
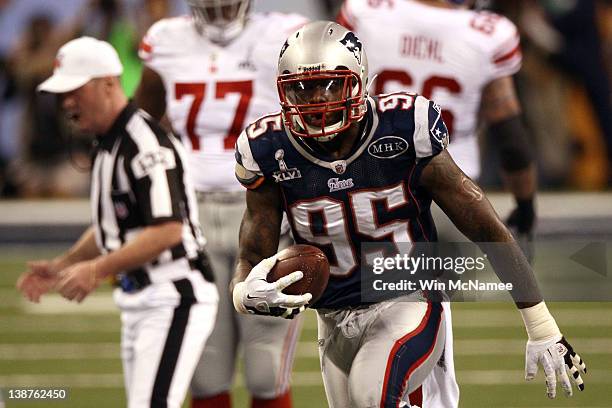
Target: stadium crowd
{"x": 564, "y": 86}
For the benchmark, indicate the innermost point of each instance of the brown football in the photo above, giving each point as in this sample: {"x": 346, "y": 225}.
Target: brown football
{"x": 308, "y": 259}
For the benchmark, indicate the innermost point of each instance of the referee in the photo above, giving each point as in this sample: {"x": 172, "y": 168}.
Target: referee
{"x": 144, "y": 231}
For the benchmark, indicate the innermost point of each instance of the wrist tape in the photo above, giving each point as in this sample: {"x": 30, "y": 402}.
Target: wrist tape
{"x": 238, "y": 296}
{"x": 539, "y": 322}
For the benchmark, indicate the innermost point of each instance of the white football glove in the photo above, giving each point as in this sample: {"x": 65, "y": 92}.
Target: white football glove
{"x": 547, "y": 347}
{"x": 258, "y": 296}
{"x": 558, "y": 359}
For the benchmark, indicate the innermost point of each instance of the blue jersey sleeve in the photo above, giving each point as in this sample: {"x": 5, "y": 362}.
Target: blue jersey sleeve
{"x": 430, "y": 135}
{"x": 247, "y": 169}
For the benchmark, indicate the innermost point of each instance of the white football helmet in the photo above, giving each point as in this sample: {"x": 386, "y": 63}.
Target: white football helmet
{"x": 220, "y": 20}
{"x": 322, "y": 80}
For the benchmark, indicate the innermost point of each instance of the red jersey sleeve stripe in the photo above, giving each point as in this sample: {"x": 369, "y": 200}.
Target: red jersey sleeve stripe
{"x": 516, "y": 51}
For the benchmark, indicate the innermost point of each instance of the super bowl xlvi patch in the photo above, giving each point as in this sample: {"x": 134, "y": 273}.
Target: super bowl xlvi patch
{"x": 284, "y": 173}
{"x": 247, "y": 64}
{"x": 388, "y": 147}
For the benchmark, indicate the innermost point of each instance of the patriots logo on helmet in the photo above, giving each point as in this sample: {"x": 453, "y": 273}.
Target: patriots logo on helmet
{"x": 353, "y": 44}
{"x": 282, "y": 51}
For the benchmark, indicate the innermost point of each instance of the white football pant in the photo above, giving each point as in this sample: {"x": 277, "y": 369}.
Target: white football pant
{"x": 375, "y": 356}
{"x": 268, "y": 343}
{"x": 164, "y": 329}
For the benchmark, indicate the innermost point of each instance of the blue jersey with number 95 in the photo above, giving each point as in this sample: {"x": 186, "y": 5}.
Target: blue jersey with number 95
{"x": 372, "y": 195}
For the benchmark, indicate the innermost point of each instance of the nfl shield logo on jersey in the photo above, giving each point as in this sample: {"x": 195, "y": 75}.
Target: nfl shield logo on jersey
{"x": 339, "y": 166}
{"x": 121, "y": 210}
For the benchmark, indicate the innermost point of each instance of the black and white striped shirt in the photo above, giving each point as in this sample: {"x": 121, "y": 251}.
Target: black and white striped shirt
{"x": 139, "y": 180}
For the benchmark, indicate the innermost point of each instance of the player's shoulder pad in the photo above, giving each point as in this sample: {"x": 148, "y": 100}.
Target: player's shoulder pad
{"x": 165, "y": 33}
{"x": 255, "y": 147}
{"x": 416, "y": 117}
{"x": 498, "y": 36}
{"x": 254, "y": 143}
{"x": 430, "y": 135}
{"x": 247, "y": 170}
{"x": 395, "y": 105}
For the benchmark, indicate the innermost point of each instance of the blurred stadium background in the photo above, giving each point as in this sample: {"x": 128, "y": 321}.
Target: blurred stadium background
{"x": 42, "y": 208}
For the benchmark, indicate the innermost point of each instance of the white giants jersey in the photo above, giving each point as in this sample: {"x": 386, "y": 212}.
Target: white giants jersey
{"x": 213, "y": 92}
{"x": 448, "y": 55}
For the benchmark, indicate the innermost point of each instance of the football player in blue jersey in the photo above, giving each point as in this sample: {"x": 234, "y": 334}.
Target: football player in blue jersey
{"x": 350, "y": 169}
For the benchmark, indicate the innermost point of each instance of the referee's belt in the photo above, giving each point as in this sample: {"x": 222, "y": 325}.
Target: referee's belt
{"x": 139, "y": 279}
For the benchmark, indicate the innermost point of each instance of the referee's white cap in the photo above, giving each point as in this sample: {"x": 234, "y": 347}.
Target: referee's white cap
{"x": 79, "y": 61}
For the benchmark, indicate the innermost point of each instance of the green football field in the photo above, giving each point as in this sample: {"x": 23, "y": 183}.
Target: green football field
{"x": 58, "y": 344}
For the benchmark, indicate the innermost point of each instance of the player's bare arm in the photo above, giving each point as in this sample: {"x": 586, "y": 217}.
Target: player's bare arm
{"x": 466, "y": 205}
{"x": 501, "y": 109}
{"x": 469, "y": 209}
{"x": 499, "y": 100}
{"x": 260, "y": 228}
{"x": 77, "y": 281}
{"x": 259, "y": 237}
{"x": 151, "y": 94}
